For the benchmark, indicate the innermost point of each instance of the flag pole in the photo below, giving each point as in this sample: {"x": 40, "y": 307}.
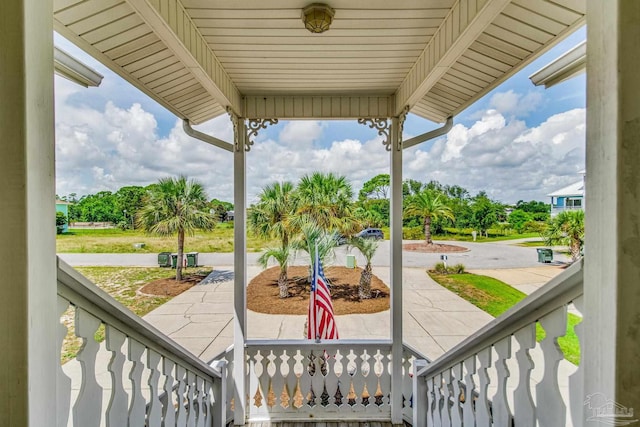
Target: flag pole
{"x": 315, "y": 277}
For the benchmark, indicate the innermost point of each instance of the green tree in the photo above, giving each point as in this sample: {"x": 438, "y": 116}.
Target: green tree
{"x": 518, "y": 218}
{"x": 176, "y": 206}
{"x": 61, "y": 220}
{"x": 428, "y": 205}
{"x": 128, "y": 201}
{"x": 376, "y": 188}
{"x": 367, "y": 248}
{"x": 485, "y": 212}
{"x": 271, "y": 217}
{"x": 326, "y": 200}
{"x": 281, "y": 256}
{"x": 567, "y": 228}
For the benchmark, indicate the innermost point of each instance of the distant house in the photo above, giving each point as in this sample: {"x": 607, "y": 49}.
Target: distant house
{"x": 62, "y": 206}
{"x": 570, "y": 197}
{"x": 230, "y": 215}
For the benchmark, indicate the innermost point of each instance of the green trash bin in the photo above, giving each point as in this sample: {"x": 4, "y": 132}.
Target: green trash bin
{"x": 174, "y": 260}
{"x": 351, "y": 261}
{"x": 545, "y": 255}
{"x": 164, "y": 259}
{"x": 192, "y": 259}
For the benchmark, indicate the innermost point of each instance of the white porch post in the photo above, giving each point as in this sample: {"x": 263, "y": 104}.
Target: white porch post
{"x": 396, "y": 271}
{"x": 239, "y": 269}
{"x": 28, "y": 360}
{"x": 612, "y": 252}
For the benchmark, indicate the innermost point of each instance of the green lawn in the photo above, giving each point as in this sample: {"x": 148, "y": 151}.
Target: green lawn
{"x": 496, "y": 297}
{"x": 465, "y": 236}
{"x": 121, "y": 283}
{"x": 114, "y": 240}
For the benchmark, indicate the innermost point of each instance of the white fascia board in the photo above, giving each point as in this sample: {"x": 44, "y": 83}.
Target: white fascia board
{"x": 70, "y": 68}
{"x": 570, "y": 64}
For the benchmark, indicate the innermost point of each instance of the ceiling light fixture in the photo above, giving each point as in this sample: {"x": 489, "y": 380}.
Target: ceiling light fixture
{"x": 317, "y": 17}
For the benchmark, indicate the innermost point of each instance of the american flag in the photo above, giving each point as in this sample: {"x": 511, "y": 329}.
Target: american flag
{"x": 320, "y": 324}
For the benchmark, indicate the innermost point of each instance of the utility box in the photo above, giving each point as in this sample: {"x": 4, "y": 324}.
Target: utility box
{"x": 545, "y": 255}
{"x": 351, "y": 261}
{"x": 164, "y": 259}
{"x": 192, "y": 259}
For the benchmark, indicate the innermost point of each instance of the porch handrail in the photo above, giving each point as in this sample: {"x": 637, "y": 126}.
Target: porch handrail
{"x": 558, "y": 292}
{"x": 76, "y": 288}
{"x": 151, "y": 380}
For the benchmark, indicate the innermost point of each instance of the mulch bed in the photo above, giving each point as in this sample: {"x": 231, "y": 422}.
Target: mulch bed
{"x": 433, "y": 248}
{"x": 170, "y": 287}
{"x": 263, "y": 294}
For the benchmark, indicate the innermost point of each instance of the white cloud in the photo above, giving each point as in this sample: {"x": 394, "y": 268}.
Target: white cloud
{"x": 105, "y": 147}
{"x": 516, "y": 104}
{"x": 505, "y": 158}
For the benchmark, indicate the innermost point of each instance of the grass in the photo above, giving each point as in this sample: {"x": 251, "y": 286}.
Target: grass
{"x": 494, "y": 236}
{"x": 121, "y": 283}
{"x": 114, "y": 240}
{"x": 534, "y": 244}
{"x": 496, "y": 297}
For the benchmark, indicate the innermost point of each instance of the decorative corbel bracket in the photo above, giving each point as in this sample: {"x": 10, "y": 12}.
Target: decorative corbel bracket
{"x": 235, "y": 121}
{"x": 382, "y": 125}
{"x": 401, "y": 118}
{"x": 254, "y": 126}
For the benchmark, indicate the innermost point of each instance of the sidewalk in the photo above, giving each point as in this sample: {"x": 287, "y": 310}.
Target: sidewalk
{"x": 434, "y": 319}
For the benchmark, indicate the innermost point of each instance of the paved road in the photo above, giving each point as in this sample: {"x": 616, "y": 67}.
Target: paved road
{"x": 503, "y": 254}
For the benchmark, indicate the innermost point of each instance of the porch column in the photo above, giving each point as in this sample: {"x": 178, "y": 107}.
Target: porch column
{"x": 239, "y": 268}
{"x": 612, "y": 251}
{"x": 396, "y": 271}
{"x": 28, "y": 360}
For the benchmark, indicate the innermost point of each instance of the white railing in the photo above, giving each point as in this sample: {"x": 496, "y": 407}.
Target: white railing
{"x": 282, "y": 375}
{"x": 555, "y": 210}
{"x": 137, "y": 376}
{"x": 501, "y": 376}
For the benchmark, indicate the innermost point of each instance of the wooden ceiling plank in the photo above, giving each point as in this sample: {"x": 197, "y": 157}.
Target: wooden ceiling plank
{"x": 82, "y": 10}
{"x": 496, "y": 54}
{"x": 106, "y": 31}
{"x": 513, "y": 38}
{"x": 142, "y": 53}
{"x": 534, "y": 19}
{"x": 524, "y": 29}
{"x": 173, "y": 26}
{"x": 542, "y": 7}
{"x": 100, "y": 19}
{"x": 427, "y": 71}
{"x": 131, "y": 46}
{"x": 122, "y": 38}
{"x": 503, "y": 46}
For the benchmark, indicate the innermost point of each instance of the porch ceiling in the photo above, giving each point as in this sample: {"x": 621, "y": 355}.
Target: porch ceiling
{"x": 198, "y": 57}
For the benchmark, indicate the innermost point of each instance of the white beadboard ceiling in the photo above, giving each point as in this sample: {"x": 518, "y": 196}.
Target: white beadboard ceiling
{"x": 199, "y": 58}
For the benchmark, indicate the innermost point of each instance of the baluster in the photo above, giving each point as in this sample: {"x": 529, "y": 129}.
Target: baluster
{"x": 419, "y": 391}
{"x": 548, "y": 395}
{"x": 338, "y": 369}
{"x": 446, "y": 398}
{"x": 501, "y": 414}
{"x": 200, "y": 399}
{"x": 431, "y": 402}
{"x": 63, "y": 382}
{"x": 137, "y": 407}
{"x": 181, "y": 416}
{"x": 208, "y": 403}
{"x": 331, "y": 381}
{"x": 576, "y": 380}
{"x": 88, "y": 406}
{"x": 469, "y": 416}
{"x": 483, "y": 416}
{"x": 437, "y": 408}
{"x": 290, "y": 368}
{"x": 117, "y": 408}
{"x": 523, "y": 407}
{"x": 191, "y": 410}
{"x": 168, "y": 410}
{"x": 456, "y": 410}
{"x": 154, "y": 414}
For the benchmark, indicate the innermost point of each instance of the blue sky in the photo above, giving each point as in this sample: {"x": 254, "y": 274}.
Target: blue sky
{"x": 517, "y": 142}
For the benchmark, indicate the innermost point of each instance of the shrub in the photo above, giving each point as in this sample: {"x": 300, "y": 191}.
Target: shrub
{"x": 456, "y": 269}
{"x": 453, "y": 269}
{"x": 535, "y": 227}
{"x": 413, "y": 233}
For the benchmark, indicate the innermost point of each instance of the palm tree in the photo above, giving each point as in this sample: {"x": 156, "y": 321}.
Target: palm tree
{"x": 311, "y": 238}
{"x": 428, "y": 205}
{"x": 326, "y": 199}
{"x": 270, "y": 217}
{"x": 567, "y": 228}
{"x": 281, "y": 256}
{"x": 367, "y": 248}
{"x": 176, "y": 205}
